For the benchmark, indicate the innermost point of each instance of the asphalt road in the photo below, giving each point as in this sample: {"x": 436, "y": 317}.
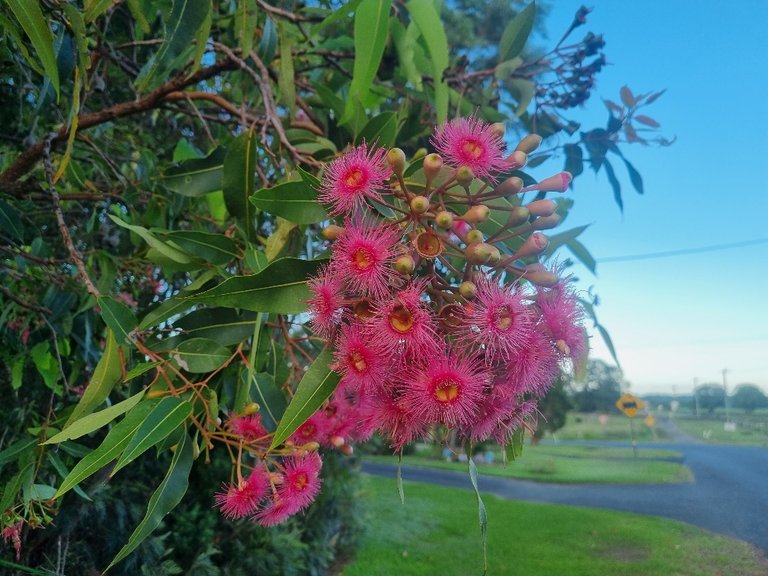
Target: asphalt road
{"x": 729, "y": 494}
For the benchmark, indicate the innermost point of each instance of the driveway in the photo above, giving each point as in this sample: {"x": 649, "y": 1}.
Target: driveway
{"x": 729, "y": 494}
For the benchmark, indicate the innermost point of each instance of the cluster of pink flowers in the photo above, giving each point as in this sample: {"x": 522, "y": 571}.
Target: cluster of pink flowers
{"x": 437, "y": 320}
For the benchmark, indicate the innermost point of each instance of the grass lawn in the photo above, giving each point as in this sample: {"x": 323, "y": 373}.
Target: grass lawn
{"x": 581, "y": 426}
{"x": 436, "y": 532}
{"x": 572, "y": 465}
{"x": 711, "y": 430}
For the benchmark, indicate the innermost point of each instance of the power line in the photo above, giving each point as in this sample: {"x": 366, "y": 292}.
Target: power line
{"x": 681, "y": 252}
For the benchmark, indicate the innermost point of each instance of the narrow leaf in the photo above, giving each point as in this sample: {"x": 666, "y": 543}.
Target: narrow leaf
{"x": 18, "y": 447}
{"x": 163, "y": 248}
{"x": 380, "y": 130}
{"x": 165, "y": 417}
{"x": 118, "y": 317}
{"x": 557, "y": 240}
{"x": 214, "y": 248}
{"x": 95, "y": 8}
{"x": 201, "y": 41}
{"x": 627, "y": 97}
{"x": 10, "y": 222}
{"x": 614, "y": 184}
{"x": 92, "y": 422}
{"x": 196, "y": 176}
{"x": 427, "y": 19}
{"x": 647, "y": 120}
{"x": 481, "y": 512}
{"x": 110, "y": 448}
{"x": 280, "y": 288}
{"x": 580, "y": 251}
{"x": 346, "y": 11}
{"x": 238, "y": 179}
{"x": 200, "y": 355}
{"x": 163, "y": 312}
{"x": 634, "y": 177}
{"x": 608, "y": 343}
{"x": 516, "y": 33}
{"x": 165, "y": 498}
{"x": 294, "y": 201}
{"x": 285, "y": 80}
{"x": 35, "y": 25}
{"x": 106, "y": 375}
{"x": 271, "y": 399}
{"x": 317, "y": 384}
{"x": 574, "y": 159}
{"x": 245, "y": 25}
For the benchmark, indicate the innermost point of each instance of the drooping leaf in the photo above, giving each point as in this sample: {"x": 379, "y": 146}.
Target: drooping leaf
{"x": 647, "y": 120}
{"x": 225, "y": 326}
{"x": 317, "y": 384}
{"x": 94, "y": 421}
{"x": 614, "y": 184}
{"x": 580, "y": 251}
{"x": 268, "y": 42}
{"x": 10, "y": 222}
{"x": 163, "y": 312}
{"x": 285, "y": 80}
{"x": 140, "y": 369}
{"x": 196, "y": 176}
{"x": 246, "y": 19}
{"x": 114, "y": 443}
{"x": 170, "y": 252}
{"x": 514, "y": 448}
{"x": 608, "y": 343}
{"x": 270, "y": 398}
{"x": 634, "y": 177}
{"x": 344, "y": 11}
{"x": 238, "y": 179}
{"x": 186, "y": 17}
{"x": 105, "y": 377}
{"x": 214, "y": 248}
{"x": 164, "y": 499}
{"x": 14, "y": 450}
{"x": 95, "y": 8}
{"x": 482, "y": 514}
{"x": 371, "y": 29}
{"x": 35, "y": 26}
{"x": 523, "y": 91}
{"x": 201, "y": 41}
{"x": 63, "y": 471}
{"x": 135, "y": 9}
{"x": 295, "y": 201}
{"x": 118, "y": 317}
{"x": 280, "y": 288}
{"x": 574, "y": 159}
{"x": 167, "y": 416}
{"x": 200, "y": 355}
{"x": 627, "y": 97}
{"x": 381, "y": 130}
{"x": 562, "y": 238}
{"x": 516, "y": 33}
{"x": 427, "y": 19}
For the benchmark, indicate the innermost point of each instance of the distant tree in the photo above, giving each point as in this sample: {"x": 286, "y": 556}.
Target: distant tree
{"x": 749, "y": 398}
{"x": 553, "y": 409}
{"x": 710, "y": 397}
{"x": 600, "y": 388}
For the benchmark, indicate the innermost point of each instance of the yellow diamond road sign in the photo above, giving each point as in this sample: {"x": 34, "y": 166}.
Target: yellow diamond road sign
{"x": 630, "y": 405}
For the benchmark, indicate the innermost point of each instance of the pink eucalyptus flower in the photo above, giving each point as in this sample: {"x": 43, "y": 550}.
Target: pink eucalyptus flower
{"x": 362, "y": 257}
{"x": 362, "y": 365}
{"x": 353, "y": 178}
{"x": 326, "y": 302}
{"x": 562, "y": 317}
{"x": 472, "y": 143}
{"x": 12, "y": 534}
{"x": 534, "y": 367}
{"x": 298, "y": 488}
{"x": 247, "y": 427}
{"x": 243, "y": 499}
{"x": 314, "y": 429}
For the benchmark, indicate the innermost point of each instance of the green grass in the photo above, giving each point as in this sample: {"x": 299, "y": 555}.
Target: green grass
{"x": 711, "y": 430}
{"x": 581, "y": 426}
{"x": 437, "y": 532}
{"x": 572, "y": 465}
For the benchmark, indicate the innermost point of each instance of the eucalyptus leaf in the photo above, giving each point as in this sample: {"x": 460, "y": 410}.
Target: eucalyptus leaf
{"x": 295, "y": 201}
{"x": 106, "y": 375}
{"x": 516, "y": 33}
{"x": 35, "y": 25}
{"x": 427, "y": 19}
{"x": 200, "y": 355}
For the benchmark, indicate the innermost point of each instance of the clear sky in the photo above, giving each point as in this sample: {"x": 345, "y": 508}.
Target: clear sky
{"x": 679, "y": 318}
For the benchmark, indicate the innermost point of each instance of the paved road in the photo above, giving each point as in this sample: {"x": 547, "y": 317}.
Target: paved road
{"x": 729, "y": 494}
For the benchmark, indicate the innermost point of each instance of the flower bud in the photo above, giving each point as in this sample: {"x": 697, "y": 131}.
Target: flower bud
{"x": 419, "y": 204}
{"x": 495, "y": 256}
{"x": 250, "y": 408}
{"x": 477, "y": 214}
{"x": 337, "y": 441}
{"x": 479, "y": 253}
{"x": 468, "y": 290}
{"x": 510, "y": 186}
{"x": 332, "y": 232}
{"x": 557, "y": 183}
{"x": 546, "y": 222}
{"x": 474, "y": 236}
{"x": 498, "y": 129}
{"x": 517, "y": 160}
{"x": 432, "y": 164}
{"x": 517, "y": 216}
{"x": 396, "y": 160}
{"x": 542, "y": 207}
{"x": 529, "y": 144}
{"x": 464, "y": 175}
{"x": 347, "y": 449}
{"x": 444, "y": 219}
{"x": 405, "y": 264}
{"x": 539, "y": 275}
{"x": 460, "y": 228}
{"x": 534, "y": 245}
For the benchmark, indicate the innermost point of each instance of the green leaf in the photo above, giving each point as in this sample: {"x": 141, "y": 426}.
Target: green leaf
{"x": 15, "y": 449}
{"x": 371, "y": 28}
{"x": 163, "y": 248}
{"x": 138, "y": 15}
{"x": 10, "y": 222}
{"x": 523, "y": 91}
{"x": 196, "y": 176}
{"x": 35, "y": 25}
{"x": 280, "y": 288}
{"x": 481, "y": 512}
{"x": 140, "y": 369}
{"x": 15, "y": 485}
{"x": 118, "y": 317}
{"x": 91, "y": 422}
{"x": 224, "y": 325}
{"x": 270, "y": 398}
{"x": 238, "y": 180}
{"x": 580, "y": 251}
{"x": 110, "y": 448}
{"x": 339, "y": 14}
{"x": 63, "y": 471}
{"x": 9, "y": 27}
{"x": 514, "y": 448}
{"x": 46, "y": 365}
{"x": 381, "y": 130}
{"x": 285, "y": 79}
{"x": 165, "y": 418}
{"x": 246, "y": 19}
{"x": 614, "y": 183}
{"x": 574, "y": 159}
{"x": 200, "y": 355}
{"x": 214, "y": 248}
{"x": 187, "y": 16}
{"x": 163, "y": 312}
{"x": 95, "y": 8}
{"x": 165, "y": 498}
{"x": 608, "y": 343}
{"x": 106, "y": 375}
{"x": 516, "y": 33}
{"x": 634, "y": 177}
{"x": 201, "y": 41}
{"x": 294, "y": 201}
{"x": 427, "y": 19}
{"x": 317, "y": 384}
{"x": 268, "y": 43}
{"x": 557, "y": 240}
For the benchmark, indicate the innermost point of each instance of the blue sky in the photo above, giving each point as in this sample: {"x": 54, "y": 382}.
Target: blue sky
{"x": 679, "y": 318}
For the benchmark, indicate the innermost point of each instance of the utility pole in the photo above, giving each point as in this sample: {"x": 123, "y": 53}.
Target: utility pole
{"x": 696, "y": 395}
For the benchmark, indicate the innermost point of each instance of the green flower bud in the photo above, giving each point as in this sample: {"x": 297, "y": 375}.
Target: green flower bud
{"x": 332, "y": 232}
{"x": 517, "y": 216}
{"x": 529, "y": 144}
{"x": 474, "y": 236}
{"x": 396, "y": 160}
{"x": 432, "y": 165}
{"x": 444, "y": 219}
{"x": 468, "y": 290}
{"x": 477, "y": 214}
{"x": 419, "y": 204}
{"x": 464, "y": 175}
{"x": 510, "y": 186}
{"x": 404, "y": 264}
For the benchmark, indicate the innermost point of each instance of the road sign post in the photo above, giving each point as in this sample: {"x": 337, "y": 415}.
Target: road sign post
{"x": 630, "y": 405}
